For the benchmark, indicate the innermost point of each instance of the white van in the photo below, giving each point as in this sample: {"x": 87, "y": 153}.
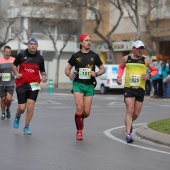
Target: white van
{"x": 107, "y": 81}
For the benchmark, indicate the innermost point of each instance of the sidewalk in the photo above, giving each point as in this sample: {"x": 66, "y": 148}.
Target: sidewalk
{"x": 149, "y": 134}
{"x": 164, "y": 100}
{"x": 154, "y": 136}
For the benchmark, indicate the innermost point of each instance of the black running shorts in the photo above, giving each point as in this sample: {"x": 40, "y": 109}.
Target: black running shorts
{"x": 24, "y": 92}
{"x": 137, "y": 93}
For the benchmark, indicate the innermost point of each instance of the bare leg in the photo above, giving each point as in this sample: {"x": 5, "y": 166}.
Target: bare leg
{"x": 83, "y": 106}
{"x": 8, "y": 100}
{"x": 129, "y": 112}
{"x": 3, "y": 104}
{"x": 30, "y": 110}
{"x": 137, "y": 109}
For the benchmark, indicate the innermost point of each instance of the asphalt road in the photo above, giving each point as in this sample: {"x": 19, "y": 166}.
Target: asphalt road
{"x": 53, "y": 146}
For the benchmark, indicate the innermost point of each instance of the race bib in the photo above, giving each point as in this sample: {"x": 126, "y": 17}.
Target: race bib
{"x": 84, "y": 73}
{"x": 35, "y": 86}
{"x": 134, "y": 80}
{"x": 6, "y": 76}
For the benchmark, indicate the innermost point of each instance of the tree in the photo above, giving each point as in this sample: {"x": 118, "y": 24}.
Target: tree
{"x": 153, "y": 12}
{"x": 62, "y": 24}
{"x": 98, "y": 13}
{"x": 52, "y": 20}
{"x": 5, "y": 25}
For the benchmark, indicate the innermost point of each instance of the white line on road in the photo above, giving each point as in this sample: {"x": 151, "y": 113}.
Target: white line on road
{"x": 108, "y": 134}
{"x": 49, "y": 102}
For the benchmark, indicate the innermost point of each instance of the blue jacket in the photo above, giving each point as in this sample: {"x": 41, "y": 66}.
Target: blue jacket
{"x": 165, "y": 70}
{"x": 158, "y": 65}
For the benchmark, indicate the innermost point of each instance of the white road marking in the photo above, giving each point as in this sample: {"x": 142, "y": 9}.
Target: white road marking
{"x": 48, "y": 102}
{"x": 112, "y": 103}
{"x": 108, "y": 134}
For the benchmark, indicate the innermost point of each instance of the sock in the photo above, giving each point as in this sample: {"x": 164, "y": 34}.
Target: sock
{"x": 78, "y": 121}
{"x": 18, "y": 116}
{"x": 26, "y": 125}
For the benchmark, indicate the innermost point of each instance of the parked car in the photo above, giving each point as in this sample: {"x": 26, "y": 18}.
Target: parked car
{"x": 107, "y": 81}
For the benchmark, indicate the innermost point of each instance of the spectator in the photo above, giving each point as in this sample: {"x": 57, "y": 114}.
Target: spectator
{"x": 166, "y": 78}
{"x": 157, "y": 81}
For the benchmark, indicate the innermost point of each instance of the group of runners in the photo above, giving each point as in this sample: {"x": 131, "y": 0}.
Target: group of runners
{"x": 29, "y": 64}
{"x": 25, "y": 70}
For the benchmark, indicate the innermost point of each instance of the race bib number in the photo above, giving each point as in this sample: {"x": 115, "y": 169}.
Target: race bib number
{"x": 84, "y": 73}
{"x": 135, "y": 80}
{"x": 35, "y": 86}
{"x": 6, "y": 76}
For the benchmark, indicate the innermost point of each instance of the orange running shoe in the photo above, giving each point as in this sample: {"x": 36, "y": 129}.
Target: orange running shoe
{"x": 79, "y": 135}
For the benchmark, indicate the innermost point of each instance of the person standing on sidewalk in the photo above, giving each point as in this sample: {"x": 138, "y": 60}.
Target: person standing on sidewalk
{"x": 135, "y": 79}
{"x": 84, "y": 82}
{"x": 6, "y": 82}
{"x": 31, "y": 65}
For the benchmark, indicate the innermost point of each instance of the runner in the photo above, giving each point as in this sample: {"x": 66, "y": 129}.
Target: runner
{"x": 84, "y": 82}
{"x": 6, "y": 82}
{"x": 135, "y": 79}
{"x": 28, "y": 80}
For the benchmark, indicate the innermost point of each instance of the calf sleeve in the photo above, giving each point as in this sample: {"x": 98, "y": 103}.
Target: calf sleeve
{"x": 79, "y": 121}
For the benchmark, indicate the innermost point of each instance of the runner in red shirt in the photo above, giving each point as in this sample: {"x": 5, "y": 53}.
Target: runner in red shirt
{"x": 27, "y": 66}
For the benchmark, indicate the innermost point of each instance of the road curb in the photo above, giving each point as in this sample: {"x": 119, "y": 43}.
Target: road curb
{"x": 154, "y": 136}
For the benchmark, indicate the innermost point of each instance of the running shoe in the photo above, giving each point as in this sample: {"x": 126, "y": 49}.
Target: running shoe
{"x": 16, "y": 123}
{"x": 79, "y": 135}
{"x": 3, "y": 117}
{"x": 129, "y": 138}
{"x": 8, "y": 114}
{"x": 131, "y": 129}
{"x": 27, "y": 131}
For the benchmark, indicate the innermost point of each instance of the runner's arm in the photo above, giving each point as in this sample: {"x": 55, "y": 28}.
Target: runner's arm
{"x": 68, "y": 71}
{"x": 15, "y": 70}
{"x": 100, "y": 71}
{"x": 121, "y": 67}
{"x": 152, "y": 68}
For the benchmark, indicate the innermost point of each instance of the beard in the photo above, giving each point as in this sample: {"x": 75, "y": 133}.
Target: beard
{"x": 87, "y": 48}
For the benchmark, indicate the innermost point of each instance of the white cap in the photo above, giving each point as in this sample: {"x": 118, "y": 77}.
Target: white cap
{"x": 138, "y": 44}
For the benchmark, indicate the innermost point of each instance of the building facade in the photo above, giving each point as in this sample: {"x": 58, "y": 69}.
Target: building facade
{"x": 44, "y": 18}
{"x": 151, "y": 26}
{"x": 51, "y": 23}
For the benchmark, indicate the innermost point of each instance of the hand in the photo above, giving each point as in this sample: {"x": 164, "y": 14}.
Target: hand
{"x": 44, "y": 80}
{"x": 145, "y": 76}
{"x": 0, "y": 74}
{"x": 18, "y": 76}
{"x": 93, "y": 74}
{"x": 119, "y": 81}
{"x": 72, "y": 75}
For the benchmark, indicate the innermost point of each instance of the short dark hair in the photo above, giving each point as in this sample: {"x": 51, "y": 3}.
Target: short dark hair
{"x": 7, "y": 47}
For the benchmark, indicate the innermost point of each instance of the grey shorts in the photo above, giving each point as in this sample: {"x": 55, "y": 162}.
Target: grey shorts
{"x": 5, "y": 89}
